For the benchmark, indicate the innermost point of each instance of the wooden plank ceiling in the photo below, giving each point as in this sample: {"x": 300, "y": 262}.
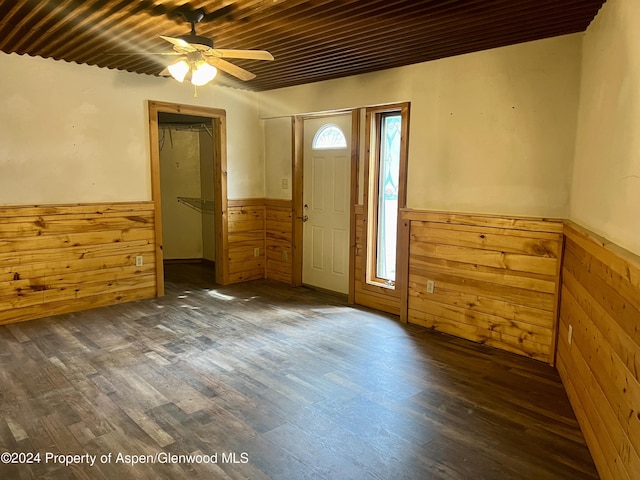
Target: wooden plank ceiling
{"x": 310, "y": 40}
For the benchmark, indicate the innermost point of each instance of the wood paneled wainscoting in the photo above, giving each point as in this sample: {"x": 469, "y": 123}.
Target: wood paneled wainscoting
{"x": 599, "y": 348}
{"x": 495, "y": 279}
{"x": 278, "y": 237}
{"x": 372, "y": 296}
{"x": 259, "y": 240}
{"x": 246, "y": 240}
{"x": 65, "y": 258}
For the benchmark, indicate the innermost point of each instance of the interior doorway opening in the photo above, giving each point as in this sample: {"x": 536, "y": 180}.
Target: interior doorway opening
{"x": 189, "y": 189}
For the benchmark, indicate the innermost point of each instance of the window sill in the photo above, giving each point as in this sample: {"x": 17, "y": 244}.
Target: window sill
{"x": 381, "y": 285}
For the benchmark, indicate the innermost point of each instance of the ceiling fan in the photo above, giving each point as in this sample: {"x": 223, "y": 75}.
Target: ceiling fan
{"x": 198, "y": 61}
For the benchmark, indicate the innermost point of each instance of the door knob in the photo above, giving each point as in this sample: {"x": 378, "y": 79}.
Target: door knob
{"x": 304, "y": 218}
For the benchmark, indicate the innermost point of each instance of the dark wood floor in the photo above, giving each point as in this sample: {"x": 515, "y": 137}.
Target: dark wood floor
{"x": 295, "y": 383}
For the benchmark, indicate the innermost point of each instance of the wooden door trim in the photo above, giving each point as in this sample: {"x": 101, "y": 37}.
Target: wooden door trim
{"x": 297, "y": 126}
{"x": 355, "y": 173}
{"x": 218, "y": 117}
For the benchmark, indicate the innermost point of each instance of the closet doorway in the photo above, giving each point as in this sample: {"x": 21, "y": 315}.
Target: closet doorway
{"x": 188, "y": 188}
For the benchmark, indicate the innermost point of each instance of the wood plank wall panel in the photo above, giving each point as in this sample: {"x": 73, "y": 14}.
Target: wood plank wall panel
{"x": 600, "y": 367}
{"x": 496, "y": 279}
{"x": 65, "y": 258}
{"x": 265, "y": 224}
{"x": 279, "y": 240}
{"x": 372, "y": 296}
{"x": 246, "y": 232}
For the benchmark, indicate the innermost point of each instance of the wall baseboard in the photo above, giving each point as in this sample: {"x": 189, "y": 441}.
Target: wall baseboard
{"x": 169, "y": 261}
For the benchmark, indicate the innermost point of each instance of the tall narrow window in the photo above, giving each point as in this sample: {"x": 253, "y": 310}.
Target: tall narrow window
{"x": 388, "y": 180}
{"x": 387, "y": 128}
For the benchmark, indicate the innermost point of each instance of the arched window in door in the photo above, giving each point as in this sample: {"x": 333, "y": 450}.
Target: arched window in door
{"x": 329, "y": 136}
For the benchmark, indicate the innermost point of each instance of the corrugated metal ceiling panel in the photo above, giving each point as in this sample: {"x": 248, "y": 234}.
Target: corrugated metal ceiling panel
{"x": 310, "y": 40}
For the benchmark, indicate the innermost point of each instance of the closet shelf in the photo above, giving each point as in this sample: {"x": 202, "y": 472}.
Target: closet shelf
{"x": 199, "y": 204}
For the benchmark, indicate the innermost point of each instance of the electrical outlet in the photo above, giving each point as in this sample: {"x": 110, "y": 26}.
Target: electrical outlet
{"x": 285, "y": 183}
{"x": 256, "y": 252}
{"x": 139, "y": 260}
{"x": 285, "y": 256}
{"x": 430, "y": 286}
{"x": 570, "y": 334}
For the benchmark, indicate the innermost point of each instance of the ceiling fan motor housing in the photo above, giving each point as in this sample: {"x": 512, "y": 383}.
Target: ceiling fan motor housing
{"x": 194, "y": 17}
{"x": 197, "y": 40}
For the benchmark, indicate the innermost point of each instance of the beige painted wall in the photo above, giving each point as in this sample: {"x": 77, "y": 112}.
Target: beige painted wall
{"x": 74, "y": 133}
{"x": 278, "y": 153}
{"x": 606, "y": 176}
{"x": 491, "y": 131}
{"x": 180, "y": 177}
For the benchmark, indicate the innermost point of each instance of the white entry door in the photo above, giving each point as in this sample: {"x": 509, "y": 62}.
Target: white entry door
{"x": 327, "y": 172}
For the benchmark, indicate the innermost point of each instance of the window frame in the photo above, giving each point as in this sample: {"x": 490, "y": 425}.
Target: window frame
{"x": 321, "y": 131}
{"x": 373, "y": 127}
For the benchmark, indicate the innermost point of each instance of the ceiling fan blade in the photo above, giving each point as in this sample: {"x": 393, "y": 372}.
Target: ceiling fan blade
{"x": 146, "y": 53}
{"x": 231, "y": 69}
{"x": 249, "y": 54}
{"x": 178, "y": 42}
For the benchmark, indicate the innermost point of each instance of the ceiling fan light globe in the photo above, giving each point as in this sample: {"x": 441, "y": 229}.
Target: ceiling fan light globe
{"x": 179, "y": 70}
{"x": 203, "y": 73}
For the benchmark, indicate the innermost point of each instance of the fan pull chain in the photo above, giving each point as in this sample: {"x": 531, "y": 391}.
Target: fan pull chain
{"x": 195, "y": 91}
